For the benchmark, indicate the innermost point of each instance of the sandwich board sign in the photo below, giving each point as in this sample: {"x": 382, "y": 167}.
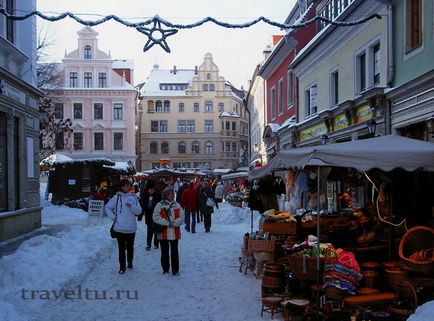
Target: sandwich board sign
{"x": 95, "y": 212}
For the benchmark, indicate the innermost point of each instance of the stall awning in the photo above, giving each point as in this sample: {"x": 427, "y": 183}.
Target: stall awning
{"x": 385, "y": 153}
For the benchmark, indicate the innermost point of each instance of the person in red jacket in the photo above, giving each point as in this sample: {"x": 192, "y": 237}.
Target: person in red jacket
{"x": 190, "y": 203}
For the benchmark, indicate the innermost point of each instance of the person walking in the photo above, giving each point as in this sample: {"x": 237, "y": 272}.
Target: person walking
{"x": 190, "y": 201}
{"x": 169, "y": 213}
{"x": 123, "y": 208}
{"x": 218, "y": 193}
{"x": 148, "y": 202}
{"x": 205, "y": 193}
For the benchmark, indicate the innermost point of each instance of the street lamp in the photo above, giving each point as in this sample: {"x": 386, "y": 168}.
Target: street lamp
{"x": 372, "y": 126}
{"x": 324, "y": 139}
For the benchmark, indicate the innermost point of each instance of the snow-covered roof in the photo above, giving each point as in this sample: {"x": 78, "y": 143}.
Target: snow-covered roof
{"x": 228, "y": 114}
{"x": 158, "y": 76}
{"x": 50, "y": 160}
{"x": 123, "y": 64}
{"x": 222, "y": 170}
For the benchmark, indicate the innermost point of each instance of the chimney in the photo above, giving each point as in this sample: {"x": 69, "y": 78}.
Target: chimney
{"x": 195, "y": 70}
{"x": 174, "y": 70}
{"x": 276, "y": 39}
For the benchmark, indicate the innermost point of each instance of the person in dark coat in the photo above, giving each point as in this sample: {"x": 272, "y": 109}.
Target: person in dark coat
{"x": 148, "y": 201}
{"x": 206, "y": 210}
{"x": 255, "y": 203}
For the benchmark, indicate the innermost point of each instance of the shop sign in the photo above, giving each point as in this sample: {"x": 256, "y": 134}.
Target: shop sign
{"x": 364, "y": 113}
{"x": 340, "y": 122}
{"x": 164, "y": 161}
{"x": 312, "y": 132}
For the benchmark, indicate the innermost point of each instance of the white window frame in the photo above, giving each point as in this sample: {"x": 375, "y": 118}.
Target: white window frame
{"x": 368, "y": 51}
{"x": 273, "y": 105}
{"x": 411, "y": 52}
{"x": 311, "y": 100}
{"x": 280, "y": 97}
{"x": 333, "y": 99}
{"x": 289, "y": 88}
{"x": 94, "y": 141}
{"x": 116, "y": 107}
{"x": 82, "y": 140}
{"x": 114, "y": 133}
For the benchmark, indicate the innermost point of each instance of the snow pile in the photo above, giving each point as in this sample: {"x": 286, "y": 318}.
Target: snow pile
{"x": 228, "y": 214}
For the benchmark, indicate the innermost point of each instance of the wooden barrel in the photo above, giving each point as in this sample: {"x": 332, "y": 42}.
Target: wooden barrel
{"x": 273, "y": 278}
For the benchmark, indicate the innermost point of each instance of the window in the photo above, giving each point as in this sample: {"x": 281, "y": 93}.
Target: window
{"x": 164, "y": 148}
{"x": 227, "y": 147}
{"x": 211, "y": 87}
{"x": 377, "y": 63}
{"x": 334, "y": 88}
{"x": 181, "y": 126}
{"x": 118, "y": 111}
{"x": 87, "y": 80}
{"x": 332, "y": 9}
{"x": 181, "y": 107}
{"x": 273, "y": 102}
{"x": 159, "y": 126}
{"x": 196, "y": 107}
{"x": 191, "y": 127}
{"x": 87, "y": 52}
{"x": 185, "y": 165}
{"x": 97, "y": 111}
{"x": 58, "y": 111}
{"x": 102, "y": 80}
{"x": 59, "y": 142}
{"x": 234, "y": 125}
{"x": 209, "y": 149}
{"x": 209, "y": 126}
{"x": 78, "y": 141}
{"x": 311, "y": 101}
{"x": 289, "y": 88}
{"x": 153, "y": 148}
{"x": 221, "y": 107}
{"x": 234, "y": 147}
{"x": 78, "y": 111}
{"x": 118, "y": 141}
{"x": 362, "y": 73}
{"x": 195, "y": 148}
{"x": 158, "y": 106}
{"x": 3, "y": 162}
{"x": 155, "y": 165}
{"x": 228, "y": 125}
{"x": 181, "y": 148}
{"x": 10, "y": 24}
{"x": 163, "y": 126}
{"x": 413, "y": 19}
{"x": 280, "y": 97}
{"x": 204, "y": 87}
{"x": 73, "y": 79}
{"x": 98, "y": 141}
{"x": 166, "y": 106}
{"x": 177, "y": 165}
{"x": 208, "y": 106}
{"x": 208, "y": 76}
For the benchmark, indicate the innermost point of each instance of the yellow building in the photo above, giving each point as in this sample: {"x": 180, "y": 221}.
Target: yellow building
{"x": 191, "y": 118}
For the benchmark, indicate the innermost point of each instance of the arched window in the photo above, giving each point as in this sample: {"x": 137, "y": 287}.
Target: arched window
{"x": 158, "y": 106}
{"x": 209, "y": 148}
{"x": 153, "y": 148}
{"x": 164, "y": 148}
{"x": 166, "y": 107}
{"x": 181, "y": 148}
{"x": 195, "y": 148}
{"x": 87, "y": 52}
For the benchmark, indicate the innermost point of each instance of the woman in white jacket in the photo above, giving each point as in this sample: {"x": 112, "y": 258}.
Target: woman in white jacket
{"x": 123, "y": 209}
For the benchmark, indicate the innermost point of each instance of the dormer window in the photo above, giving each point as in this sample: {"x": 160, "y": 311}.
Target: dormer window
{"x": 87, "y": 52}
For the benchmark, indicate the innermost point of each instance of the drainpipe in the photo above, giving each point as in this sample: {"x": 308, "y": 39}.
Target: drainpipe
{"x": 390, "y": 63}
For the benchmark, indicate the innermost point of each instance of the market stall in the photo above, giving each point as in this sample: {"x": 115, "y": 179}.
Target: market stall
{"x": 339, "y": 180}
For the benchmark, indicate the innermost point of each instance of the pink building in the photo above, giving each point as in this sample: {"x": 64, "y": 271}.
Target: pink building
{"x": 97, "y": 94}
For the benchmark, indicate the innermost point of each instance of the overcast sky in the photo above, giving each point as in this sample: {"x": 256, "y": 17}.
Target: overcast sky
{"x": 236, "y": 51}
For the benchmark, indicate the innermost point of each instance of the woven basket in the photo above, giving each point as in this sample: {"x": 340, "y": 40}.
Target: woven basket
{"x": 304, "y": 267}
{"x": 262, "y": 246}
{"x": 417, "y": 239}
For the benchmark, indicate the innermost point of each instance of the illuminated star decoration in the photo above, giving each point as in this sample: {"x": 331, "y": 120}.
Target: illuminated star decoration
{"x": 156, "y": 35}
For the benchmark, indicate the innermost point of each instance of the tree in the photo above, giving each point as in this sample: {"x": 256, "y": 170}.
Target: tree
{"x": 55, "y": 132}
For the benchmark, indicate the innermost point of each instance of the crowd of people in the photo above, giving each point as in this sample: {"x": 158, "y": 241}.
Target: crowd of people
{"x": 165, "y": 208}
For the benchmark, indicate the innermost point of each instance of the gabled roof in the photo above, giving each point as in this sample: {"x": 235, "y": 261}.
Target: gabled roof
{"x": 159, "y": 76}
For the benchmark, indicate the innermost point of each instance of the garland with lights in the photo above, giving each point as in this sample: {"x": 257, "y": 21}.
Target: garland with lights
{"x": 157, "y": 35}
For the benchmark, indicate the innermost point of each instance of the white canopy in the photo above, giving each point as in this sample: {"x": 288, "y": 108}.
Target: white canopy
{"x": 385, "y": 153}
{"x": 55, "y": 158}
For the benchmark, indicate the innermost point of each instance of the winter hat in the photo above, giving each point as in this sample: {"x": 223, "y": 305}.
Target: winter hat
{"x": 167, "y": 191}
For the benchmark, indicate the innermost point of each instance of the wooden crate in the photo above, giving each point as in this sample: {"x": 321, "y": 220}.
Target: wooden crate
{"x": 262, "y": 246}
{"x": 279, "y": 228}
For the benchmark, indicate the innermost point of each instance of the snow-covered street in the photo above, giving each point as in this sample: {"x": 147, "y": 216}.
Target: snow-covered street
{"x": 72, "y": 274}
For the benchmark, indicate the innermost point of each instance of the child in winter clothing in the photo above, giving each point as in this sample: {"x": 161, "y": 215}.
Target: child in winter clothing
{"x": 123, "y": 209}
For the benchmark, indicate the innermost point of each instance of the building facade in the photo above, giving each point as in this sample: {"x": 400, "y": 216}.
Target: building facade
{"x": 411, "y": 100}
{"x": 20, "y": 210}
{"x": 191, "y": 118}
{"x": 96, "y": 92}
